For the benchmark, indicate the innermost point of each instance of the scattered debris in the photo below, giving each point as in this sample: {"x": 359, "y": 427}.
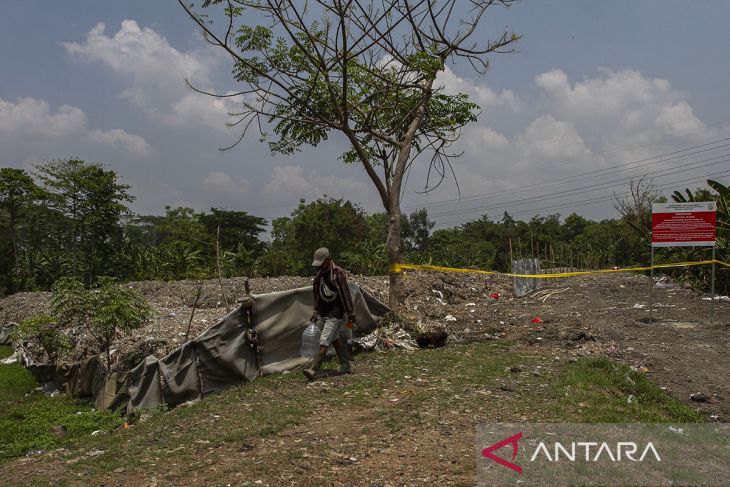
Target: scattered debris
{"x": 387, "y": 338}
{"x": 435, "y": 338}
{"x": 10, "y": 360}
{"x": 698, "y": 397}
{"x": 537, "y": 320}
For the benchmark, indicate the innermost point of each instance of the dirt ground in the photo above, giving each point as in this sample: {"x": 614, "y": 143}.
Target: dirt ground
{"x": 682, "y": 349}
{"x": 685, "y": 347}
{"x": 417, "y": 427}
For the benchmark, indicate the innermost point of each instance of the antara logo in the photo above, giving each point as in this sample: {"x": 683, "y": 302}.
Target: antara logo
{"x": 588, "y": 451}
{"x": 512, "y": 440}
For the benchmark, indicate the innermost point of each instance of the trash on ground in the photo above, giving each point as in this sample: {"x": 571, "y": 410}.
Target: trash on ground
{"x": 387, "y": 338}
{"x": 698, "y": 397}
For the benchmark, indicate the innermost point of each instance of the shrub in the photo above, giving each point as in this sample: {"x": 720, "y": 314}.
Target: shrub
{"x": 44, "y": 332}
{"x": 103, "y": 310}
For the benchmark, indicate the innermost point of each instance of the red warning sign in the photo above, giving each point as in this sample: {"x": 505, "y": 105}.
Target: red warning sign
{"x": 683, "y": 224}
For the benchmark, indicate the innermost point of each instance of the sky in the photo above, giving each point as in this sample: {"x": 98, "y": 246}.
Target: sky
{"x": 597, "y": 94}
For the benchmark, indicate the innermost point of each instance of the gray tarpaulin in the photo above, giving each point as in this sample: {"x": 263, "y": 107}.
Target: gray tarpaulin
{"x": 524, "y": 285}
{"x": 5, "y": 330}
{"x": 223, "y": 355}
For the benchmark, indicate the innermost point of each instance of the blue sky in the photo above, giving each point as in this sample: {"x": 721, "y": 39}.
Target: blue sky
{"x": 595, "y": 86}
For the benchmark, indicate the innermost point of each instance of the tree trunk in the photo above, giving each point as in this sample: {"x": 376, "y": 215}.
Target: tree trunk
{"x": 393, "y": 245}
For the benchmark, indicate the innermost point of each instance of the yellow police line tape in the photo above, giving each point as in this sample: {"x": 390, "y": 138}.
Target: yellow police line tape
{"x": 401, "y": 267}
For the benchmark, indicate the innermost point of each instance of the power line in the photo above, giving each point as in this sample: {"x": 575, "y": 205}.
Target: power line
{"x": 584, "y": 189}
{"x": 596, "y": 200}
{"x": 583, "y": 175}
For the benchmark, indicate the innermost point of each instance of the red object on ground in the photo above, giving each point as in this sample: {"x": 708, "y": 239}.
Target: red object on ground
{"x": 536, "y": 319}
{"x": 494, "y": 295}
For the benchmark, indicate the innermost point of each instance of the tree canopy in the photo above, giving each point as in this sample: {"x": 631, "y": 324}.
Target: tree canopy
{"x": 364, "y": 69}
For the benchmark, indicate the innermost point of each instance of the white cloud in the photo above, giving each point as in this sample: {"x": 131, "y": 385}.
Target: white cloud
{"x": 120, "y": 139}
{"x": 483, "y": 95}
{"x": 288, "y": 184}
{"x": 481, "y": 137}
{"x": 554, "y": 139}
{"x": 157, "y": 72}
{"x": 34, "y": 121}
{"x": 33, "y": 117}
{"x": 223, "y": 183}
{"x": 194, "y": 108}
{"x": 618, "y": 105}
{"x": 677, "y": 119}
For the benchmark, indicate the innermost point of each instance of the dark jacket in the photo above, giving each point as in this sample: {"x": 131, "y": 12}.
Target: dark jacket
{"x": 338, "y": 278}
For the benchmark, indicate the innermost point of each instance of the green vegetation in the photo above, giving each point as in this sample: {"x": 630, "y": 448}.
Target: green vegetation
{"x": 606, "y": 392}
{"x": 27, "y": 417}
{"x": 39, "y": 422}
{"x": 448, "y": 389}
{"x": 15, "y": 380}
{"x": 68, "y": 220}
{"x": 45, "y": 332}
{"x": 379, "y": 92}
{"x": 105, "y": 311}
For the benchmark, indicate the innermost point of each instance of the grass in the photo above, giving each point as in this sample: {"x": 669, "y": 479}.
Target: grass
{"x": 27, "y": 416}
{"x": 5, "y": 351}
{"x": 449, "y": 389}
{"x": 603, "y": 391}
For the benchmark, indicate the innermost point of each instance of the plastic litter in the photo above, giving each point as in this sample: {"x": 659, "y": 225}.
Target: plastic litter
{"x": 536, "y": 319}
{"x": 495, "y": 296}
{"x": 698, "y": 397}
{"x": 10, "y": 360}
{"x": 387, "y": 338}
{"x": 310, "y": 341}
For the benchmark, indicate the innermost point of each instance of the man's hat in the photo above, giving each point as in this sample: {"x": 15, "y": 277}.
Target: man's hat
{"x": 320, "y": 255}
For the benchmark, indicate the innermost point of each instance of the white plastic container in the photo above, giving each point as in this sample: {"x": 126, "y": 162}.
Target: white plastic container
{"x": 310, "y": 341}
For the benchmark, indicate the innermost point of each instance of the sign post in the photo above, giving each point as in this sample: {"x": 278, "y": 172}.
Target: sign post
{"x": 691, "y": 224}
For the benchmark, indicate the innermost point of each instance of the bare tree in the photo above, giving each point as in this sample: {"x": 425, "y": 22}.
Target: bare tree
{"x": 363, "y": 68}
{"x": 635, "y": 208}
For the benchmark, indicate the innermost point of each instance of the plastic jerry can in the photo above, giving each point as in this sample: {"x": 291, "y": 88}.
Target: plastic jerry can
{"x": 310, "y": 341}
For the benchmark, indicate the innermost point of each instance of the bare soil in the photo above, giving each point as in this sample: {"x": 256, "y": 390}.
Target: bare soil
{"x": 417, "y": 428}
{"x": 683, "y": 348}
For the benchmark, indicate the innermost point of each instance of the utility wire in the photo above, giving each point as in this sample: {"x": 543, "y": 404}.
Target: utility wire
{"x": 595, "y": 200}
{"x": 583, "y": 189}
{"x": 584, "y": 175}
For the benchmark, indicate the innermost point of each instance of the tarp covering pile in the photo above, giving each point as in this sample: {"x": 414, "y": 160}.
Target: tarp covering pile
{"x": 5, "y": 330}
{"x": 231, "y": 352}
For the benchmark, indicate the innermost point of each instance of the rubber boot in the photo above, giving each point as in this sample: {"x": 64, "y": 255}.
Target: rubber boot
{"x": 311, "y": 372}
{"x": 343, "y": 357}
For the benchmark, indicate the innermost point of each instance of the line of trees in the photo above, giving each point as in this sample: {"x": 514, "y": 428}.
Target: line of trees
{"x": 69, "y": 218}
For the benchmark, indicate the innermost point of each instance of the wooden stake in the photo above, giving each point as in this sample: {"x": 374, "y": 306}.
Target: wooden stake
{"x": 195, "y": 305}
{"x": 218, "y": 267}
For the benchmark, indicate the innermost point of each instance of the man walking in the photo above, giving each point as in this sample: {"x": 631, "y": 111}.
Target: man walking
{"x": 332, "y": 300}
